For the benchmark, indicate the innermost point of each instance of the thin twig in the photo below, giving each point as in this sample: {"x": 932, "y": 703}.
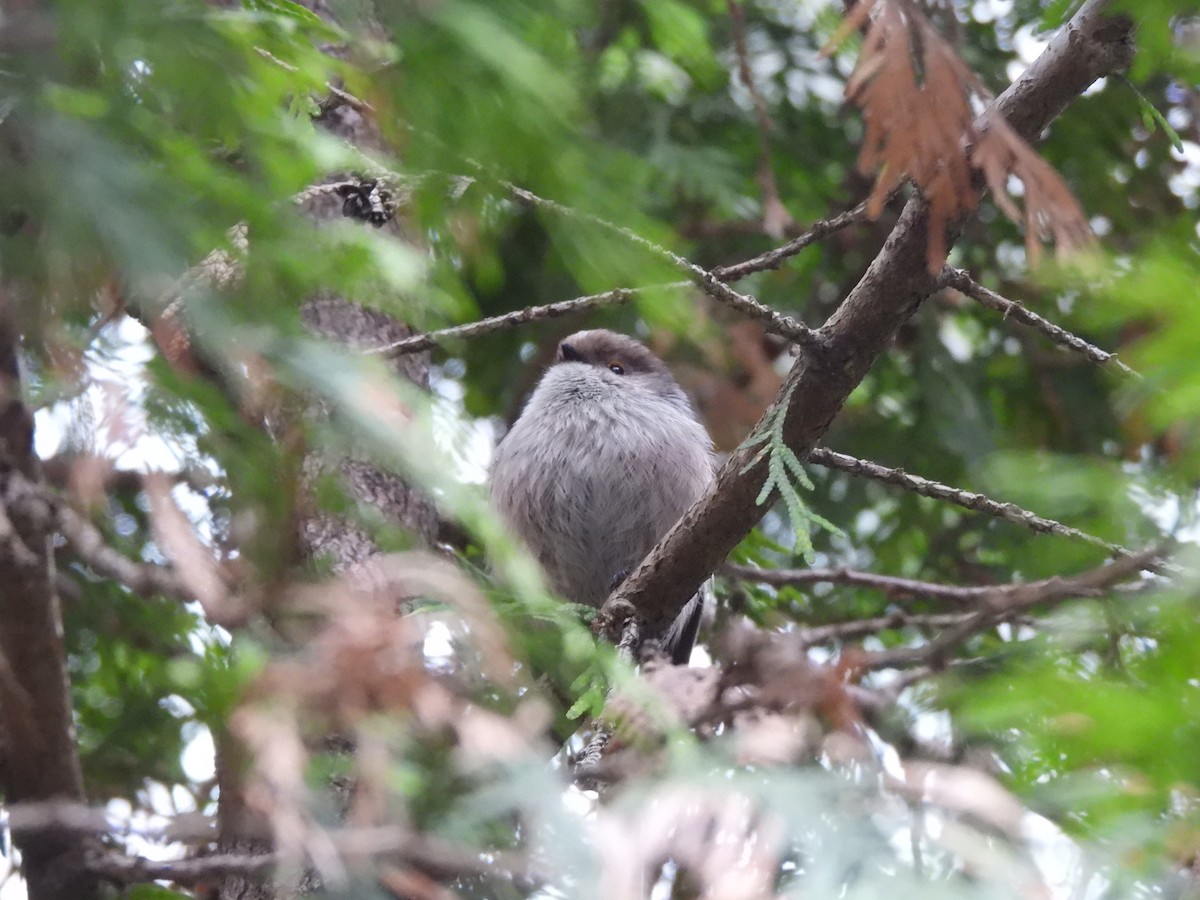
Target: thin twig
{"x": 773, "y": 259}
{"x": 774, "y": 322}
{"x": 776, "y": 218}
{"x": 57, "y": 470}
{"x": 437, "y": 858}
{"x": 432, "y": 855}
{"x": 420, "y": 342}
{"x": 859, "y": 628}
{"x": 962, "y": 281}
{"x": 895, "y": 587}
{"x": 1018, "y": 597}
{"x": 1009, "y": 512}
{"x": 1006, "y": 604}
{"x": 139, "y": 870}
{"x": 88, "y": 542}
{"x": 338, "y": 96}
{"x": 715, "y": 283}
{"x": 341, "y": 97}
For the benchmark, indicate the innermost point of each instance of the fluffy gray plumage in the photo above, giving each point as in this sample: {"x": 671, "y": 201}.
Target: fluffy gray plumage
{"x": 605, "y": 457}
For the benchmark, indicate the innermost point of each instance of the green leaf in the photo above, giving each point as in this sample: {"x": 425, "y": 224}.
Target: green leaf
{"x": 1151, "y": 118}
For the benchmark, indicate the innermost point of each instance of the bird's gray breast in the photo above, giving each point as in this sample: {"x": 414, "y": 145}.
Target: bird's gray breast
{"x": 593, "y": 474}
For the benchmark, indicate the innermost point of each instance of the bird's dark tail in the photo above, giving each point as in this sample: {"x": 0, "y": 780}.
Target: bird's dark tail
{"x": 677, "y": 643}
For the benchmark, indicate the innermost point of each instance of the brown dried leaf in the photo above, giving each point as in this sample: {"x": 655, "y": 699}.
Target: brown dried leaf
{"x": 398, "y": 578}
{"x": 118, "y": 420}
{"x": 277, "y": 788}
{"x": 784, "y": 679}
{"x": 371, "y": 662}
{"x": 915, "y": 94}
{"x": 1051, "y": 210}
{"x": 363, "y": 658}
{"x": 486, "y": 738}
{"x": 171, "y": 336}
{"x": 915, "y": 127}
{"x": 774, "y": 739}
{"x": 363, "y": 673}
{"x": 851, "y": 22}
{"x": 259, "y": 388}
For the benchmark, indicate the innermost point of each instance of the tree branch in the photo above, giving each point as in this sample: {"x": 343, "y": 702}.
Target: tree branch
{"x": 1009, "y": 512}
{"x": 438, "y": 858}
{"x": 962, "y": 281}
{"x": 773, "y": 259}
{"x": 1015, "y": 598}
{"x": 1009, "y": 602}
{"x": 58, "y": 471}
{"x": 88, "y": 542}
{"x": 123, "y": 869}
{"x": 714, "y": 286}
{"x": 860, "y": 628}
{"x": 895, "y": 588}
{"x": 432, "y": 339}
{"x": 860, "y": 330}
{"x": 587, "y": 767}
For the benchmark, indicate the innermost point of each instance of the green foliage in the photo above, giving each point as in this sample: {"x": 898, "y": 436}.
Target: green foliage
{"x": 1098, "y": 718}
{"x": 1153, "y": 119}
{"x": 145, "y": 131}
{"x": 784, "y": 473}
{"x": 129, "y": 700}
{"x": 151, "y": 892}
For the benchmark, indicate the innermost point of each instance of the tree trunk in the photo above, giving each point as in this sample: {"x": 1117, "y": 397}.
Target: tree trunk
{"x": 40, "y": 761}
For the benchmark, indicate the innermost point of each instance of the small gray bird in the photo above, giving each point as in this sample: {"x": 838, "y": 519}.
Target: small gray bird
{"x": 605, "y": 457}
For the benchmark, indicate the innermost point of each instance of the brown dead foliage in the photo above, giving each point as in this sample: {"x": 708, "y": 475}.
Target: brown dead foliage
{"x": 363, "y": 674}
{"x": 779, "y": 703}
{"x": 1051, "y": 210}
{"x": 916, "y": 97}
{"x": 363, "y": 659}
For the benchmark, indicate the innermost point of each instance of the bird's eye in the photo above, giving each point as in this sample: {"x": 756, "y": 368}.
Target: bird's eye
{"x": 616, "y": 367}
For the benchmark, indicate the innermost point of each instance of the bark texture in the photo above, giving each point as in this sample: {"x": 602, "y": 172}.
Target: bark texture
{"x": 40, "y": 761}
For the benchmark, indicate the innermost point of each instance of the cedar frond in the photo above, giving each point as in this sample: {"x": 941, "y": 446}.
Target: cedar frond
{"x": 1051, "y": 210}
{"x": 916, "y": 96}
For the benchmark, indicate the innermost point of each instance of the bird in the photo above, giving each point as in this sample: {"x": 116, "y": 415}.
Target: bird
{"x": 606, "y": 455}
